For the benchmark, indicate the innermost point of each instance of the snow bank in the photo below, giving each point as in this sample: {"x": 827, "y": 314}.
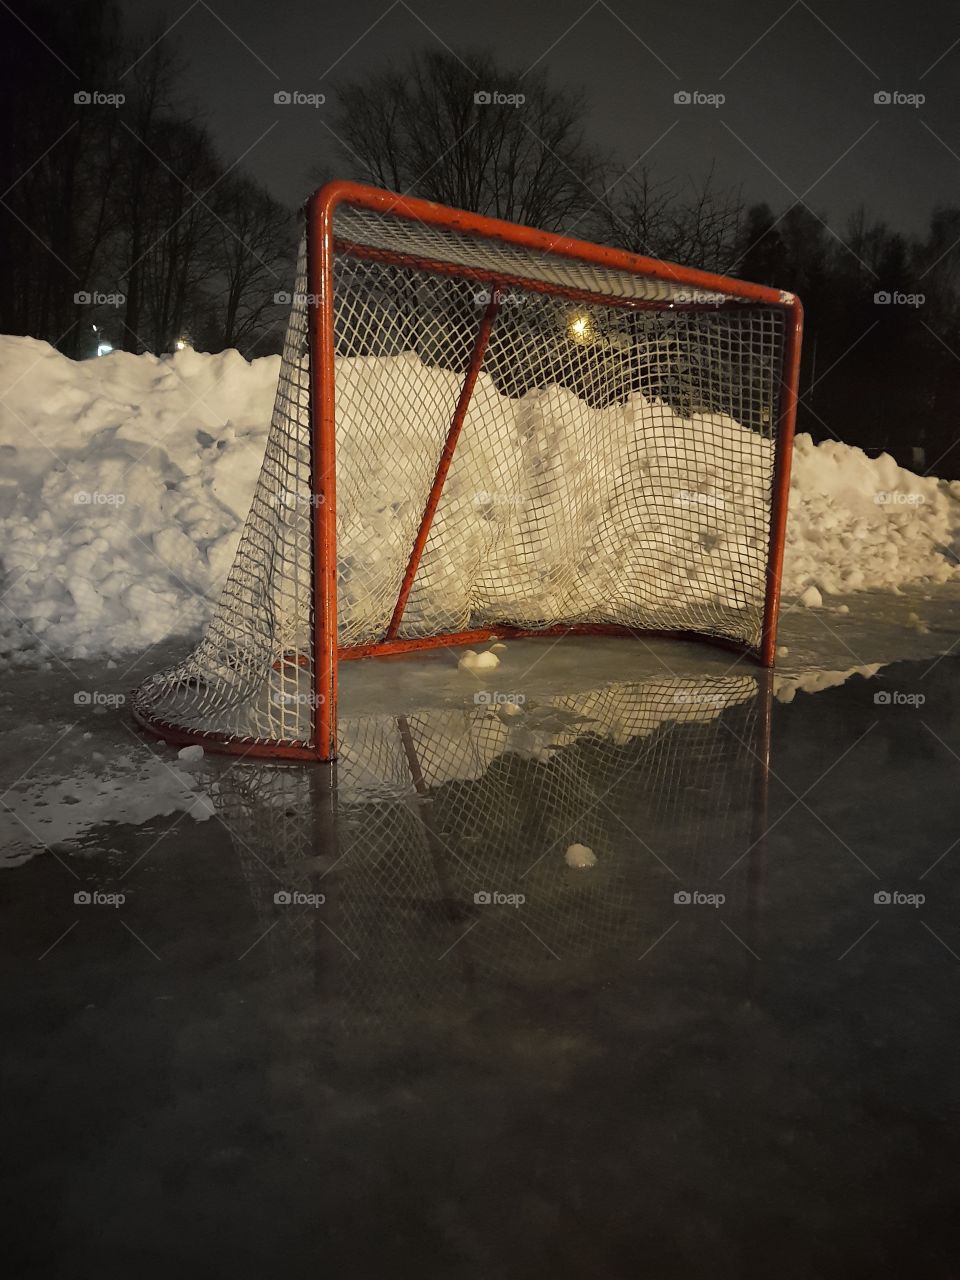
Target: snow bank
{"x": 126, "y": 480}
{"x": 858, "y": 523}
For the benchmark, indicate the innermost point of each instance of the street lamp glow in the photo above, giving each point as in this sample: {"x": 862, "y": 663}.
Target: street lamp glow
{"x": 580, "y": 327}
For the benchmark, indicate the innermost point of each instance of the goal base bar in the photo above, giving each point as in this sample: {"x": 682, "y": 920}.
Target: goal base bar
{"x": 223, "y": 744}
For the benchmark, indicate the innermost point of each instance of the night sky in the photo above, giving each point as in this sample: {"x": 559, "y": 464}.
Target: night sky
{"x": 799, "y": 118}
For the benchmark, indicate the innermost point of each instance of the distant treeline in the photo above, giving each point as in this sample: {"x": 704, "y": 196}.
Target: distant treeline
{"x": 118, "y": 211}
{"x": 132, "y": 207}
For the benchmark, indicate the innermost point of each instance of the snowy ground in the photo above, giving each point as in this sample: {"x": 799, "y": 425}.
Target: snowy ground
{"x": 126, "y": 481}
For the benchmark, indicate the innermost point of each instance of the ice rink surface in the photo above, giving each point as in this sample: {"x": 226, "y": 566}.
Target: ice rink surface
{"x": 336, "y": 1018}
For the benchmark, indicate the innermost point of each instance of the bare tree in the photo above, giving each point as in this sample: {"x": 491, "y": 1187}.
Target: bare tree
{"x": 255, "y": 253}
{"x": 696, "y": 223}
{"x": 470, "y": 133}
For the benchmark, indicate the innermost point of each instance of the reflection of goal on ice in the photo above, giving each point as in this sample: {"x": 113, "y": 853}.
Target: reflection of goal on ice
{"x": 485, "y": 430}
{"x": 665, "y": 781}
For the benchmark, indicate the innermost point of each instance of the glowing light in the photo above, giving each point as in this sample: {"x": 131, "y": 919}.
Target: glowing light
{"x": 580, "y": 327}
{"x": 104, "y": 348}
{"x": 181, "y": 344}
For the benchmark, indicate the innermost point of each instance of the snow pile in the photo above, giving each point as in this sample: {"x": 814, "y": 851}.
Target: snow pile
{"x": 859, "y": 522}
{"x": 126, "y": 480}
{"x": 123, "y": 487}
{"x": 552, "y": 510}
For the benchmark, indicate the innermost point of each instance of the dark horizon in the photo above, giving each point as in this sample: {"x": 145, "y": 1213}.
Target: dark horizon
{"x": 799, "y": 121}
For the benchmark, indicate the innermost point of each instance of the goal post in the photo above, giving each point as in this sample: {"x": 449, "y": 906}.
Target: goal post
{"x": 482, "y": 430}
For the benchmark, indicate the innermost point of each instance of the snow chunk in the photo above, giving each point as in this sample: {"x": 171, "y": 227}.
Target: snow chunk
{"x": 472, "y": 661}
{"x": 811, "y": 598}
{"x": 580, "y": 856}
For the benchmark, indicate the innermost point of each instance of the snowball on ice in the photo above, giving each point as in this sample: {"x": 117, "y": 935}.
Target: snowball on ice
{"x": 472, "y": 661}
{"x": 580, "y": 856}
{"x": 811, "y": 598}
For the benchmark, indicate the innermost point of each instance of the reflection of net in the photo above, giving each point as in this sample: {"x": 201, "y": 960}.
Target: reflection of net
{"x": 615, "y": 467}
{"x": 658, "y": 779}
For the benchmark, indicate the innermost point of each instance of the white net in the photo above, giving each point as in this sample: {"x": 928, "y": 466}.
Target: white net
{"x": 615, "y": 466}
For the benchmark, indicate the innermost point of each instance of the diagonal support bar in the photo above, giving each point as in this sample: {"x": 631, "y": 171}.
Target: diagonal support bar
{"x": 443, "y": 466}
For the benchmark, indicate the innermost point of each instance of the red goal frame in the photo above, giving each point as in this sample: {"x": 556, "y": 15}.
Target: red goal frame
{"x": 322, "y": 246}
{"x": 320, "y": 242}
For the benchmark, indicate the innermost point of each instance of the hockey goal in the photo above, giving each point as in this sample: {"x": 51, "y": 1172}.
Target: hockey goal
{"x": 482, "y": 431}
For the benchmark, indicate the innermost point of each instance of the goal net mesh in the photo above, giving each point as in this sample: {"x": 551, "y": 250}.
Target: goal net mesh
{"x": 615, "y": 466}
